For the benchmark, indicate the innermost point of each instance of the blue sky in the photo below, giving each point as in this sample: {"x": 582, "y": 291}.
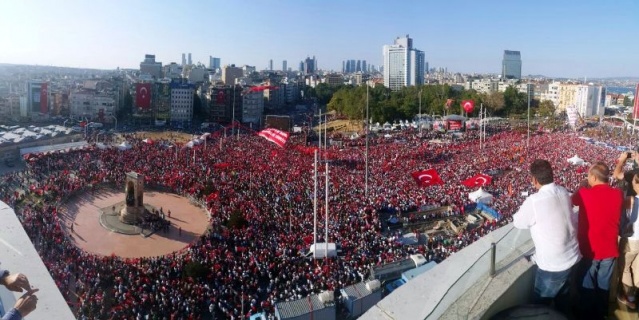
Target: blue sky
{"x": 560, "y": 38}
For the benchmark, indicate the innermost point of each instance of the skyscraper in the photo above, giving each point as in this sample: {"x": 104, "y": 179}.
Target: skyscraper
{"x": 270, "y": 65}
{"x": 190, "y": 62}
{"x": 214, "y": 63}
{"x": 151, "y": 67}
{"x": 403, "y": 64}
{"x": 511, "y": 65}
{"x": 183, "y": 59}
{"x": 364, "y": 66}
{"x": 358, "y": 67}
{"x": 310, "y": 65}
{"x": 284, "y": 65}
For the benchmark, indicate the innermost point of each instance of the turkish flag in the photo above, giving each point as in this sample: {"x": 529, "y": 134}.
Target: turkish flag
{"x": 219, "y": 98}
{"x": 468, "y": 105}
{"x": 477, "y": 180}
{"x": 278, "y": 137}
{"x": 44, "y": 95}
{"x": 425, "y": 178}
{"x": 143, "y": 95}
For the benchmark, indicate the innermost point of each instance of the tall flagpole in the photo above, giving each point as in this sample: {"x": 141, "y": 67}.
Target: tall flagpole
{"x": 315, "y": 204}
{"x": 326, "y": 222}
{"x": 319, "y": 128}
{"x": 481, "y": 134}
{"x": 366, "y": 153}
{"x": 528, "y": 138}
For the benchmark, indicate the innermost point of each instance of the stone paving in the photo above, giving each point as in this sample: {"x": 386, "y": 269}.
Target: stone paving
{"x": 84, "y": 211}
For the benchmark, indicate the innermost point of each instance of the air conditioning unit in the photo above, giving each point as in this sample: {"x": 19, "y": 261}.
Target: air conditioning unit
{"x": 373, "y": 285}
{"x": 327, "y": 297}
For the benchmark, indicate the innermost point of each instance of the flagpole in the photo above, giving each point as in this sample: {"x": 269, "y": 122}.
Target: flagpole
{"x": 315, "y": 203}
{"x": 319, "y": 128}
{"x": 481, "y": 108}
{"x": 326, "y": 210}
{"x": 528, "y": 137}
{"x": 366, "y": 153}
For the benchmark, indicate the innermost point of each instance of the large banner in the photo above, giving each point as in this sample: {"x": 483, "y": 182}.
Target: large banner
{"x": 454, "y": 124}
{"x": 44, "y": 95}
{"x": 143, "y": 95}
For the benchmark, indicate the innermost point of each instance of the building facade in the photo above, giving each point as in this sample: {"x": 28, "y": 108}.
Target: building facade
{"x": 310, "y": 65}
{"x": 223, "y": 101}
{"x": 511, "y": 65}
{"x": 150, "y": 67}
{"x": 214, "y": 63}
{"x": 92, "y": 106}
{"x": 181, "y": 103}
{"x": 252, "y": 108}
{"x": 230, "y": 73}
{"x": 403, "y": 64}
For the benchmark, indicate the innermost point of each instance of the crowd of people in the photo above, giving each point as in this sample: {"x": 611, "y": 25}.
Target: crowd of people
{"x": 251, "y": 268}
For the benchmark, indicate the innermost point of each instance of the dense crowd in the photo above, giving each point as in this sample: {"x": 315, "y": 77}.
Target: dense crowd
{"x": 253, "y": 267}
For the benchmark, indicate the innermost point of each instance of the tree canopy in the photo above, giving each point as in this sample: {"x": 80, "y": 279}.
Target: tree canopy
{"x": 386, "y": 105}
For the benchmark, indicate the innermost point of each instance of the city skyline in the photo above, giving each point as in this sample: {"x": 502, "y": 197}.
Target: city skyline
{"x": 555, "y": 39}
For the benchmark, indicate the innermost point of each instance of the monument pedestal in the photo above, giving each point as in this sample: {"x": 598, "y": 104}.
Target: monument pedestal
{"x": 134, "y": 209}
{"x": 131, "y": 215}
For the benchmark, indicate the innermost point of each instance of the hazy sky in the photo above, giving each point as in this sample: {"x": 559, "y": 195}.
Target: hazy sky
{"x": 571, "y": 38}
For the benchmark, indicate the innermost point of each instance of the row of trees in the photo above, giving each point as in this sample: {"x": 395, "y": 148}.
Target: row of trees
{"x": 386, "y": 105}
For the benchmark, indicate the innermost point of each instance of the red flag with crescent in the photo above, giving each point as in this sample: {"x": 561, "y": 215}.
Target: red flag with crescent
{"x": 143, "y": 95}
{"x": 219, "y": 99}
{"x": 425, "y": 178}
{"x": 468, "y": 105}
{"x": 477, "y": 180}
{"x": 44, "y": 95}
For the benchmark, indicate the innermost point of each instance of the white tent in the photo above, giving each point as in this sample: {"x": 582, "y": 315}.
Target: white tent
{"x": 576, "y": 160}
{"x": 480, "y": 195}
{"x": 190, "y": 144}
{"x": 100, "y": 146}
{"x": 124, "y": 146}
{"x": 409, "y": 239}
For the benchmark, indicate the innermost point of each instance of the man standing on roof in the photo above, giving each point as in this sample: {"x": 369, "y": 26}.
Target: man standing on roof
{"x": 553, "y": 227}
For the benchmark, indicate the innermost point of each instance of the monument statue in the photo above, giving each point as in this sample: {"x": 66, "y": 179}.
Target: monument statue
{"x": 134, "y": 209}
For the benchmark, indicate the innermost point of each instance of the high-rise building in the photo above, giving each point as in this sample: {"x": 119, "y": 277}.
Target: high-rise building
{"x": 183, "y": 59}
{"x": 150, "y": 67}
{"x": 511, "y": 65}
{"x": 351, "y": 68}
{"x": 284, "y": 66}
{"x": 181, "y": 102}
{"x": 301, "y": 67}
{"x": 310, "y": 65}
{"x": 364, "y": 67}
{"x": 358, "y": 67}
{"x": 403, "y": 64}
{"x": 344, "y": 66}
{"x": 214, "y": 63}
{"x": 230, "y": 73}
{"x": 37, "y": 97}
{"x": 270, "y": 65}
{"x": 190, "y": 61}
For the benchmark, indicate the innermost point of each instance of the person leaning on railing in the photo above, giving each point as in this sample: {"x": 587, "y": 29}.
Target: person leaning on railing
{"x": 27, "y": 302}
{"x": 553, "y": 228}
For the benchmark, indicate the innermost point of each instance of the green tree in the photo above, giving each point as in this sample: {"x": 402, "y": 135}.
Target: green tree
{"x": 515, "y": 101}
{"x": 546, "y": 109}
{"x": 626, "y": 101}
{"x": 494, "y": 102}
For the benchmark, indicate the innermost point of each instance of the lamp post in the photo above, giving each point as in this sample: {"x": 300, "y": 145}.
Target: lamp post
{"x": 419, "y": 119}
{"x": 528, "y": 137}
{"x": 116, "y": 122}
{"x": 366, "y": 155}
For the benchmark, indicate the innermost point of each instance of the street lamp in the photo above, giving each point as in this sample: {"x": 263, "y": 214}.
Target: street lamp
{"x": 419, "y": 118}
{"x": 366, "y": 156}
{"x": 116, "y": 123}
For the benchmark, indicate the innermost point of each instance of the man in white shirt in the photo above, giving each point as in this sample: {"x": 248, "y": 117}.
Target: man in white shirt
{"x": 553, "y": 227}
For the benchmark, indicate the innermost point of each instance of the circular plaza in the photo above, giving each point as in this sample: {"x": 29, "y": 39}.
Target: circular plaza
{"x": 90, "y": 224}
